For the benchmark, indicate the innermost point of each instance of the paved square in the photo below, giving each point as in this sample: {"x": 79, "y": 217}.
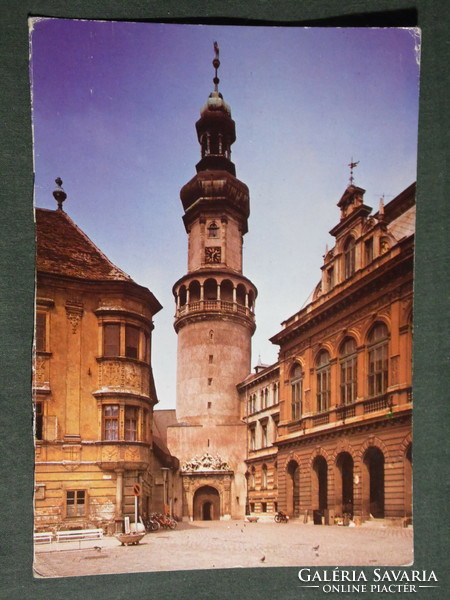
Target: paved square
{"x": 231, "y": 544}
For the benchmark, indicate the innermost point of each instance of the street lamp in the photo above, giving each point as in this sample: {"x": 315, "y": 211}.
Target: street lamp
{"x": 165, "y": 473}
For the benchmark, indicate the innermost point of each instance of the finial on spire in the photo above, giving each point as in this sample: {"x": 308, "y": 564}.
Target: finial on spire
{"x": 352, "y": 165}
{"x": 59, "y": 194}
{"x": 381, "y": 208}
{"x": 216, "y": 65}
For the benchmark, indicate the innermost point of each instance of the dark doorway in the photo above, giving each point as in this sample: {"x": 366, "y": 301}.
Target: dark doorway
{"x": 374, "y": 462}
{"x": 293, "y": 489}
{"x": 344, "y": 480}
{"x": 320, "y": 483}
{"x": 206, "y": 504}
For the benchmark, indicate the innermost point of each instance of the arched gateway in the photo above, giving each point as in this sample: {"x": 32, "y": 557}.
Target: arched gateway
{"x": 206, "y": 504}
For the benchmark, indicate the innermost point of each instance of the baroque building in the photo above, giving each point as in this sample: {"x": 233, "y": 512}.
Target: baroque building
{"x": 214, "y": 322}
{"x": 93, "y": 385}
{"x": 343, "y": 445}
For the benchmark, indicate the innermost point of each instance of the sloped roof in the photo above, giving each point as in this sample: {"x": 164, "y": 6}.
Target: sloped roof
{"x": 63, "y": 249}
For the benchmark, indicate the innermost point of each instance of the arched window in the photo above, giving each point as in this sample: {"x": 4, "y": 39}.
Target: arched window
{"x": 264, "y": 477}
{"x": 378, "y": 363}
{"x": 252, "y": 478}
{"x": 349, "y": 257}
{"x": 348, "y": 364}
{"x": 323, "y": 381}
{"x": 296, "y": 392}
{"x": 213, "y": 230}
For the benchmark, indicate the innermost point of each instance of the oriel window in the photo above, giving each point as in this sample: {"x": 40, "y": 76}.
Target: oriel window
{"x": 111, "y": 422}
{"x": 132, "y": 341}
{"x": 111, "y": 339}
{"x": 131, "y": 421}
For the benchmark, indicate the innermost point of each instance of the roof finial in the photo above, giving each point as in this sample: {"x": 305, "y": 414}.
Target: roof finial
{"x": 59, "y": 194}
{"x": 216, "y": 65}
{"x": 352, "y": 165}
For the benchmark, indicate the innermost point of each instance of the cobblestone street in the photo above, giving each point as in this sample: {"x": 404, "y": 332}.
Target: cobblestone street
{"x": 231, "y": 544}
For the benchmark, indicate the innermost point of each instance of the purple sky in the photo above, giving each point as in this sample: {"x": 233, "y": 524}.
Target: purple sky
{"x": 114, "y": 111}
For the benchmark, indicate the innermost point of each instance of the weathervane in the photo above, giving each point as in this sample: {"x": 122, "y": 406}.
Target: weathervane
{"x": 352, "y": 165}
{"x": 216, "y": 65}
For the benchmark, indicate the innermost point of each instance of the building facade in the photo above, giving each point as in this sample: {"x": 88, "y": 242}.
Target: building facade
{"x": 344, "y": 443}
{"x": 93, "y": 385}
{"x": 214, "y": 323}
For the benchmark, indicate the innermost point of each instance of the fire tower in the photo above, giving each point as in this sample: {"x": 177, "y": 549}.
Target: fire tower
{"x": 214, "y": 321}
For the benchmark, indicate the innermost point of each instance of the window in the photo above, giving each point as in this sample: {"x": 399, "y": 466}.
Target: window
{"x": 264, "y": 478}
{"x": 252, "y": 478}
{"x": 252, "y": 507}
{"x": 253, "y": 438}
{"x": 323, "y": 381}
{"x": 275, "y": 393}
{"x": 264, "y": 441}
{"x": 75, "y": 503}
{"x": 368, "y": 251}
{"x": 123, "y": 339}
{"x": 348, "y": 364}
{"x": 330, "y": 278}
{"x": 111, "y": 339}
{"x": 131, "y": 421}
{"x": 111, "y": 422}
{"x": 263, "y": 507}
{"x": 132, "y": 341}
{"x": 213, "y": 230}
{"x": 41, "y": 332}
{"x": 349, "y": 257}
{"x": 296, "y": 392}
{"x": 39, "y": 420}
{"x": 378, "y": 359}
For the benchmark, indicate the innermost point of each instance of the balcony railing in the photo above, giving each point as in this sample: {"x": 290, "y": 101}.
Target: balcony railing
{"x": 214, "y": 305}
{"x": 339, "y": 414}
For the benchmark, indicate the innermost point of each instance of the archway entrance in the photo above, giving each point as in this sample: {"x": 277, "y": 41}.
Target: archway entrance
{"x": 344, "y": 483}
{"x": 293, "y": 488}
{"x": 320, "y": 483}
{"x": 373, "y": 483}
{"x": 206, "y": 504}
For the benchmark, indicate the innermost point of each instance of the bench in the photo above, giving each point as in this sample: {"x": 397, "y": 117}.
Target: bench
{"x": 78, "y": 535}
{"x": 45, "y": 537}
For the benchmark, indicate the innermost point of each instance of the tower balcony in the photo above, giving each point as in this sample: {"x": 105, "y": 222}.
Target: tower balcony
{"x": 212, "y": 309}
{"x": 222, "y": 306}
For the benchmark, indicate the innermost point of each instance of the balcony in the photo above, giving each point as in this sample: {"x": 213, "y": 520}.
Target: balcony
{"x": 219, "y": 306}
{"x": 385, "y": 404}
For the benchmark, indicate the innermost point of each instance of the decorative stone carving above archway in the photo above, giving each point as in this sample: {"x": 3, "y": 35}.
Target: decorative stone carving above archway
{"x": 207, "y": 462}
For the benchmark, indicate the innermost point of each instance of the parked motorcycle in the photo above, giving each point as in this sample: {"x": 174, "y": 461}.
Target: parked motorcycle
{"x": 281, "y": 517}
{"x": 151, "y": 524}
{"x": 165, "y": 521}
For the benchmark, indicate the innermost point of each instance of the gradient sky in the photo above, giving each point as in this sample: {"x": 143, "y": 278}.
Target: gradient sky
{"x": 114, "y": 111}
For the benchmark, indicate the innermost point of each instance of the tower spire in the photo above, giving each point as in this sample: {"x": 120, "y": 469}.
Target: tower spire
{"x": 216, "y": 65}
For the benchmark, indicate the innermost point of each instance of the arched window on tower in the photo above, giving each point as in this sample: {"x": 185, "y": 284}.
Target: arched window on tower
{"x": 213, "y": 230}
{"x": 349, "y": 257}
{"x": 348, "y": 368}
{"x": 296, "y": 392}
{"x": 323, "y": 381}
{"x": 378, "y": 362}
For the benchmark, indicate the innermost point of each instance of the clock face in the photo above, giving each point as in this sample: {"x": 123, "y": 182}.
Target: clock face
{"x": 213, "y": 254}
